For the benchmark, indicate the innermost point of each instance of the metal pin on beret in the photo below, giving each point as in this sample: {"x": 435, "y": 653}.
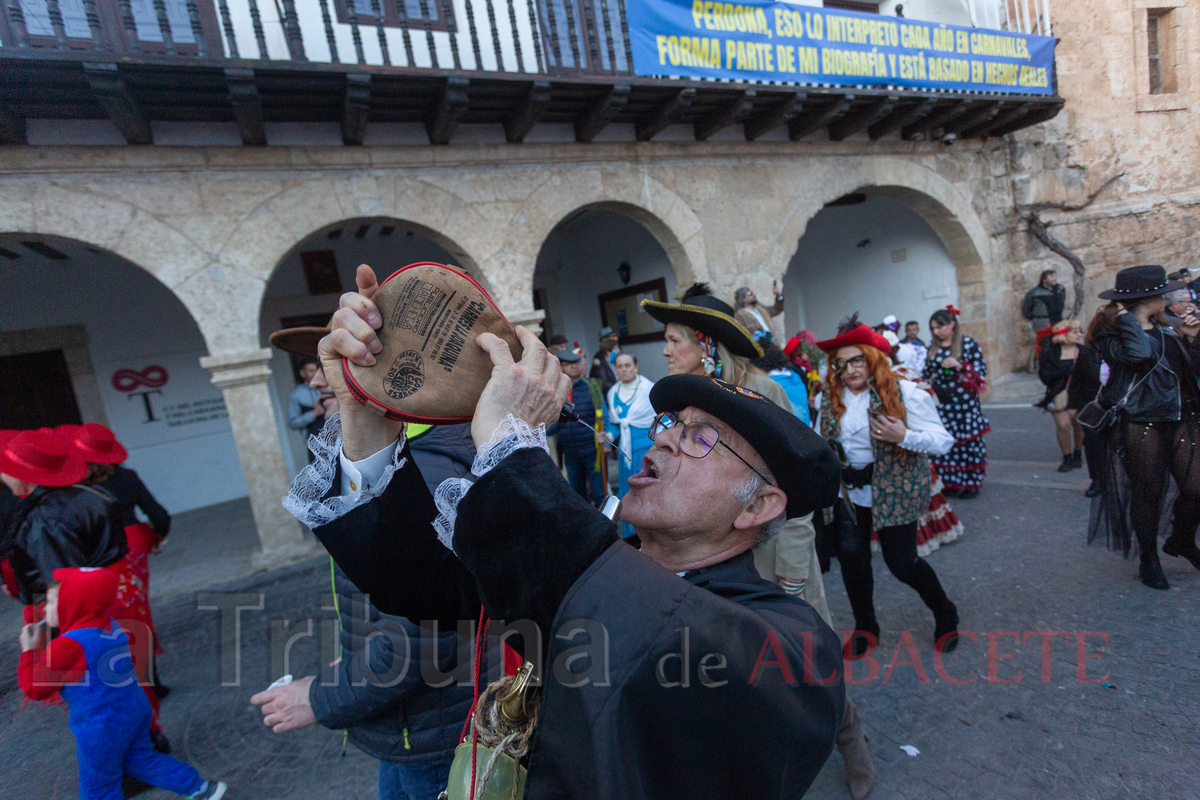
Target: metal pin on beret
{"x": 802, "y": 462}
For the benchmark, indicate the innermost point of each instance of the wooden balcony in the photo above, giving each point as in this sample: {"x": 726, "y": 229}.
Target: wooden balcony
{"x": 440, "y": 63}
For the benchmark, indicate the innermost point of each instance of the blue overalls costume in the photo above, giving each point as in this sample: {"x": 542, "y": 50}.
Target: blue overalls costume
{"x": 90, "y": 664}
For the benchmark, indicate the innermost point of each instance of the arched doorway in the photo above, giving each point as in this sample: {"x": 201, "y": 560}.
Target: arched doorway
{"x": 305, "y": 287}
{"x": 873, "y": 253}
{"x": 90, "y": 336}
{"x": 592, "y": 270}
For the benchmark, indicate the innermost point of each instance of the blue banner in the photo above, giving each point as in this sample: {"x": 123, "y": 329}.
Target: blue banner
{"x": 774, "y": 41}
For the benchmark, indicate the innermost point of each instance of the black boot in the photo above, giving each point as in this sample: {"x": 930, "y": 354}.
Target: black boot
{"x": 1077, "y": 459}
{"x": 1183, "y": 547}
{"x": 1095, "y": 490}
{"x": 865, "y": 636}
{"x": 1151, "y": 572}
{"x": 1067, "y": 464}
{"x": 945, "y": 624}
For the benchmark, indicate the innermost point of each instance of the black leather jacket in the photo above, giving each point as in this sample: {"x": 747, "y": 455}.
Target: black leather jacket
{"x": 70, "y": 526}
{"x": 1138, "y": 363}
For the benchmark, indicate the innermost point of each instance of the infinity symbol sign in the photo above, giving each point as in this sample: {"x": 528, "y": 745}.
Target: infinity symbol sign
{"x": 126, "y": 380}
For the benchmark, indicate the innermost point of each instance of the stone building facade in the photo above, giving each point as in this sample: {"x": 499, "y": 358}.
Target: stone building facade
{"x": 1112, "y": 128}
{"x": 213, "y": 224}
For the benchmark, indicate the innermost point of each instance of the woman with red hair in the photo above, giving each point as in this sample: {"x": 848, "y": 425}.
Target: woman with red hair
{"x": 882, "y": 427}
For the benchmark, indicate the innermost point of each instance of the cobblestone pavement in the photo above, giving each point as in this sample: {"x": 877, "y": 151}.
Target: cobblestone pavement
{"x": 1022, "y": 567}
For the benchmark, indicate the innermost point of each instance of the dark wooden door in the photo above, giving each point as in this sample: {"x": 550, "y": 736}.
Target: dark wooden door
{"x": 36, "y": 391}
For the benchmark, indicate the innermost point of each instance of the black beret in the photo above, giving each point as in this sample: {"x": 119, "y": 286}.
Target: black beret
{"x": 801, "y": 461}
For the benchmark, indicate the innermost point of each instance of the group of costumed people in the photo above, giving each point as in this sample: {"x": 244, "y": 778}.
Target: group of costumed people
{"x": 73, "y": 551}
{"x": 1123, "y": 396}
{"x": 722, "y": 509}
{"x": 1129, "y": 384}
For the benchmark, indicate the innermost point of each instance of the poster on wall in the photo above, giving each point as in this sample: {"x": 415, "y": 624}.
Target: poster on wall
{"x": 160, "y": 399}
{"x": 779, "y": 41}
{"x": 622, "y": 310}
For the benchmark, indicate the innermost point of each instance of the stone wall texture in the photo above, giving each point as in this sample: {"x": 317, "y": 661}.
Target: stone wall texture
{"x": 1111, "y": 126}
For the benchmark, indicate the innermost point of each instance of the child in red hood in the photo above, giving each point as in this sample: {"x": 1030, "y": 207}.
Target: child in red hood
{"x": 90, "y": 664}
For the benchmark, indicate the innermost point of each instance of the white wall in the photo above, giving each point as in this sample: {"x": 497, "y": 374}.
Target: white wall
{"x": 287, "y": 296}
{"x": 133, "y": 322}
{"x": 579, "y": 262}
{"x": 831, "y": 277}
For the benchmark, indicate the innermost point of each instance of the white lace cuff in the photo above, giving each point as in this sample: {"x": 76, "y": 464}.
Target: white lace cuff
{"x": 511, "y": 435}
{"x": 307, "y": 501}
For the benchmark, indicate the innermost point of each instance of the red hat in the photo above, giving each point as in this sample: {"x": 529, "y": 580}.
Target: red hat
{"x": 95, "y": 442}
{"x": 42, "y": 458}
{"x": 858, "y": 337}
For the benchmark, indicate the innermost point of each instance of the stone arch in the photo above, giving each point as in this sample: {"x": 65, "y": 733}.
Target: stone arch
{"x": 280, "y": 224}
{"x": 132, "y": 232}
{"x": 935, "y": 199}
{"x": 634, "y": 194}
{"x": 131, "y": 349}
{"x": 459, "y": 255}
{"x": 677, "y": 254}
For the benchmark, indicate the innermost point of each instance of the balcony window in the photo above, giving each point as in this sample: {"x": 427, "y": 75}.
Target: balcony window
{"x": 146, "y": 19}
{"x": 37, "y": 18}
{"x": 565, "y": 25}
{"x": 366, "y": 10}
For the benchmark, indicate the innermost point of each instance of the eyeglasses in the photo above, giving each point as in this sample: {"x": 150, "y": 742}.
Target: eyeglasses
{"x": 696, "y": 439}
{"x": 841, "y": 364}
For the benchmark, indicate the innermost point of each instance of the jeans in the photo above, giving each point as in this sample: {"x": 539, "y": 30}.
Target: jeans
{"x": 413, "y": 780}
{"x": 581, "y": 472}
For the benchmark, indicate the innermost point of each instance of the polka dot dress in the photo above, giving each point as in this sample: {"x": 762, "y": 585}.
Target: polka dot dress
{"x": 965, "y": 465}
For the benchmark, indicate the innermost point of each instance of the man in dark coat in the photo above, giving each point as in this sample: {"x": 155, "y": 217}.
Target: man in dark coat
{"x": 378, "y": 692}
{"x": 673, "y": 671}
{"x": 603, "y": 368}
{"x": 576, "y": 444}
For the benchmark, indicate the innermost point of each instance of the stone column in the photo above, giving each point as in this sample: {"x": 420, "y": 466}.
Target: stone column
{"x": 243, "y": 379}
{"x": 528, "y": 317}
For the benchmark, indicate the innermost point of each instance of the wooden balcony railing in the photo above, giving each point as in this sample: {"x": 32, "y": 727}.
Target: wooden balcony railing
{"x": 436, "y": 62}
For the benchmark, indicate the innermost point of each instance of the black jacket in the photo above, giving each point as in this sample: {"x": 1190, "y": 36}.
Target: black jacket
{"x": 619, "y": 717}
{"x": 1141, "y": 367}
{"x": 1041, "y": 302}
{"x": 1085, "y": 378}
{"x": 602, "y": 370}
{"x": 70, "y": 526}
{"x": 389, "y": 714}
{"x": 1053, "y": 371}
{"x": 131, "y": 493}
{"x": 380, "y": 690}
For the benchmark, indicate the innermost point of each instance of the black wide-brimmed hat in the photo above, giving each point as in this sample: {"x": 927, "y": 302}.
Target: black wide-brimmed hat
{"x": 712, "y": 317}
{"x": 299, "y": 341}
{"x": 803, "y": 464}
{"x": 1147, "y": 280}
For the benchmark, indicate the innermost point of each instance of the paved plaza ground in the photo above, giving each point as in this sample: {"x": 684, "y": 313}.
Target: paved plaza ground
{"x": 1131, "y": 731}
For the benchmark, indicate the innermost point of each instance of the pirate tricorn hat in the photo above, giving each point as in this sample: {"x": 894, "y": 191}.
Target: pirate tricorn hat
{"x": 708, "y": 315}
